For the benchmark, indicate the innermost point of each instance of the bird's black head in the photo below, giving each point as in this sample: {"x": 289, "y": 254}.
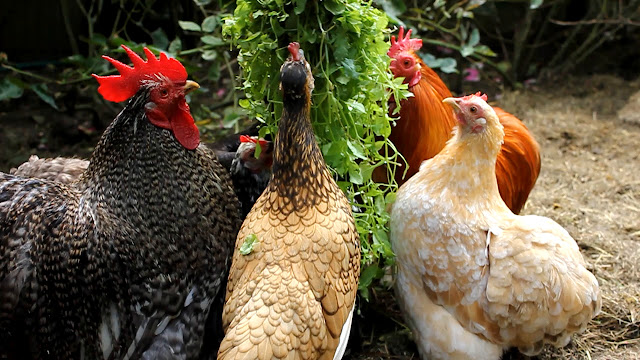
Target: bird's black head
{"x": 296, "y": 80}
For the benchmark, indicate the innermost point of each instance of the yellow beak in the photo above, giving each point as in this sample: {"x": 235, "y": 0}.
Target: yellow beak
{"x": 190, "y": 86}
{"x": 453, "y": 102}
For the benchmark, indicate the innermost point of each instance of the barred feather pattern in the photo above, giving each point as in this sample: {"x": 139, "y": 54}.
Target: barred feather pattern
{"x": 123, "y": 263}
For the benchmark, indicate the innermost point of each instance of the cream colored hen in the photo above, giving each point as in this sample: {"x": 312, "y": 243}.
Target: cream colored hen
{"x": 473, "y": 278}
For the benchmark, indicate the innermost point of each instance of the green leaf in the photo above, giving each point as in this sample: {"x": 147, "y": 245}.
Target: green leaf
{"x": 300, "y": 6}
{"x": 484, "y": 50}
{"x": 160, "y": 39}
{"x": 466, "y": 50}
{"x": 448, "y": 65}
{"x": 209, "y": 55}
{"x": 189, "y": 26}
{"x": 356, "y": 149}
{"x": 534, "y": 4}
{"x": 334, "y": 7}
{"x": 355, "y": 176}
{"x": 212, "y": 40}
{"x": 368, "y": 274}
{"x": 175, "y": 46}
{"x": 209, "y": 23}
{"x": 9, "y": 90}
{"x": 474, "y": 39}
{"x": 43, "y": 93}
{"x": 249, "y": 242}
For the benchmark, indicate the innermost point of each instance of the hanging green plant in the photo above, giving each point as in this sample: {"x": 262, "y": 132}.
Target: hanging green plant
{"x": 345, "y": 41}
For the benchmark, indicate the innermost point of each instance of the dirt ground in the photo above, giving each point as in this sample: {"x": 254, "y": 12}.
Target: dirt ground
{"x": 590, "y": 184}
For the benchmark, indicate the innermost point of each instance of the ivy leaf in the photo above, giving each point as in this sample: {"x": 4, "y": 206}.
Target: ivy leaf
{"x": 209, "y": 23}
{"x": 249, "y": 243}
{"x": 9, "y": 90}
{"x": 43, "y": 93}
{"x": 189, "y": 26}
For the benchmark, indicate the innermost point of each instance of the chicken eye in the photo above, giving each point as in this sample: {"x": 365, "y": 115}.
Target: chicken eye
{"x": 164, "y": 92}
{"x": 473, "y": 109}
{"x": 407, "y": 62}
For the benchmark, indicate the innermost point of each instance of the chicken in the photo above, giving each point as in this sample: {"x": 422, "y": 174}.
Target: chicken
{"x": 249, "y": 175}
{"x": 59, "y": 169}
{"x": 125, "y": 262}
{"x": 294, "y": 276}
{"x": 473, "y": 278}
{"x": 425, "y": 125}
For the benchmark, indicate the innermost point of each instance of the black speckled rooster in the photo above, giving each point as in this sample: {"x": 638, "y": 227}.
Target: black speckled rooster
{"x": 125, "y": 263}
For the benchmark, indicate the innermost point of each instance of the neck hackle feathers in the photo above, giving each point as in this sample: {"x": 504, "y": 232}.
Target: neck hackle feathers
{"x": 404, "y": 43}
{"x": 121, "y": 87}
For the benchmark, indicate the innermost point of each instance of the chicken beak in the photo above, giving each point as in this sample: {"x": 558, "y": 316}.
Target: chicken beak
{"x": 453, "y": 102}
{"x": 190, "y": 86}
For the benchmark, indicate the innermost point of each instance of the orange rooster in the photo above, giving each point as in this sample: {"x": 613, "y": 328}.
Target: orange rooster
{"x": 426, "y": 123}
{"x": 473, "y": 278}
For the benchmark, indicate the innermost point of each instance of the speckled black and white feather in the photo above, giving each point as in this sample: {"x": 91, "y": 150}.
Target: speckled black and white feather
{"x": 123, "y": 263}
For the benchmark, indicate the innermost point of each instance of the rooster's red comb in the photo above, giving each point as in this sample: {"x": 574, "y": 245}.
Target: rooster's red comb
{"x": 404, "y": 43}
{"x": 121, "y": 87}
{"x": 252, "y": 139}
{"x": 478, "y": 94}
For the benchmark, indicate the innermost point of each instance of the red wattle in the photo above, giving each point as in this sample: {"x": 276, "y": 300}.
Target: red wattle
{"x": 184, "y": 128}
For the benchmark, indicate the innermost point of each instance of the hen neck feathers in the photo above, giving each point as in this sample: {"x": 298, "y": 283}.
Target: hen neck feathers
{"x": 300, "y": 175}
{"x": 135, "y": 160}
{"x": 465, "y": 170}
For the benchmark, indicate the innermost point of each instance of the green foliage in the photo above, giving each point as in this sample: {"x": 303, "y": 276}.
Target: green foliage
{"x": 345, "y": 43}
{"x": 249, "y": 243}
{"x": 444, "y": 23}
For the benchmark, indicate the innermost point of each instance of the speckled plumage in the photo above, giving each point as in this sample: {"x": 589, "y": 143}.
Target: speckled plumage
{"x": 249, "y": 175}
{"x": 123, "y": 263}
{"x": 293, "y": 295}
{"x": 473, "y": 278}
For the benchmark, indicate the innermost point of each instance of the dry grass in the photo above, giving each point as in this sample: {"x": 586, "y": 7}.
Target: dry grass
{"x": 590, "y": 184}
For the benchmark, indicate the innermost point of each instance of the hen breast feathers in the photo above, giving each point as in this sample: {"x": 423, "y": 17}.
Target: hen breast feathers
{"x": 511, "y": 280}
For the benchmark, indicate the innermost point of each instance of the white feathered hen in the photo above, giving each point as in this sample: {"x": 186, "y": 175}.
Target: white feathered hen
{"x": 473, "y": 278}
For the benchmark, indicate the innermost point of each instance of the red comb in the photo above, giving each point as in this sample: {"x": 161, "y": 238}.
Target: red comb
{"x": 478, "y": 94}
{"x": 253, "y": 139}
{"x": 121, "y": 87}
{"x": 294, "y": 50}
{"x": 404, "y": 43}
{"x": 246, "y": 139}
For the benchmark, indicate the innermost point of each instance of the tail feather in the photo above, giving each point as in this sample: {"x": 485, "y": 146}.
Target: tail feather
{"x": 518, "y": 164}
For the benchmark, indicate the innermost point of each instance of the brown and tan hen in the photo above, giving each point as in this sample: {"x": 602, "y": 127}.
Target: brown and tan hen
{"x": 291, "y": 295}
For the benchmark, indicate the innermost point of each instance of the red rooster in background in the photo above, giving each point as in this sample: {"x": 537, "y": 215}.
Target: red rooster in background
{"x": 426, "y": 124}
